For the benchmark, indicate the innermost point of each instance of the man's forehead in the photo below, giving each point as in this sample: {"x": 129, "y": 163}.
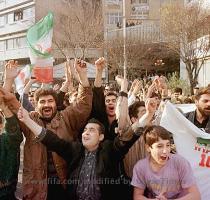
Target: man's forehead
{"x": 46, "y": 97}
{"x": 92, "y": 125}
{"x": 205, "y": 96}
{"x": 111, "y": 97}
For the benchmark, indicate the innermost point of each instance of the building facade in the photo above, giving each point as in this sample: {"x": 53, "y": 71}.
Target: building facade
{"x": 142, "y": 18}
{"x": 137, "y": 11}
{"x": 16, "y": 16}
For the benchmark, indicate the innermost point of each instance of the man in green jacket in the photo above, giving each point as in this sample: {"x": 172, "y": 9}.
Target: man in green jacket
{"x": 10, "y": 140}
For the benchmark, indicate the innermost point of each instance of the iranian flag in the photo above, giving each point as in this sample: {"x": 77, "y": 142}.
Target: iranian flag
{"x": 22, "y": 77}
{"x": 39, "y": 38}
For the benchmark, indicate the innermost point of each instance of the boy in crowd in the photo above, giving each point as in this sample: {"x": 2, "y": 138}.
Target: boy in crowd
{"x": 162, "y": 175}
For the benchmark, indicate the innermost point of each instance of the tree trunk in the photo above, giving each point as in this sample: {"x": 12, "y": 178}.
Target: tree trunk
{"x": 192, "y": 79}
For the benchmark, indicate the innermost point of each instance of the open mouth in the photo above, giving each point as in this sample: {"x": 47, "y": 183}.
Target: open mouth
{"x": 85, "y": 138}
{"x": 163, "y": 158}
{"x": 111, "y": 108}
{"x": 47, "y": 111}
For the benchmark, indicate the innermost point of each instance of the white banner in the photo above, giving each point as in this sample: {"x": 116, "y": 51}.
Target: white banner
{"x": 185, "y": 108}
{"x": 192, "y": 143}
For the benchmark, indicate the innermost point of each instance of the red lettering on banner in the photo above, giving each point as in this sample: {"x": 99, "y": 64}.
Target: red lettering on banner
{"x": 208, "y": 162}
{"x": 205, "y": 160}
{"x": 202, "y": 162}
{"x": 197, "y": 148}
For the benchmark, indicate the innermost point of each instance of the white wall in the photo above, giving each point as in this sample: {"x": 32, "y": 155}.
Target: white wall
{"x": 203, "y": 77}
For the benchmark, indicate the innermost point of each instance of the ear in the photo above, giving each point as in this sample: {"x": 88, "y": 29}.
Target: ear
{"x": 147, "y": 147}
{"x": 101, "y": 137}
{"x": 196, "y": 102}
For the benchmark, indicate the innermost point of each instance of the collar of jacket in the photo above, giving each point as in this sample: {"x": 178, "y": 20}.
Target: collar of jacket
{"x": 191, "y": 117}
{"x": 54, "y": 121}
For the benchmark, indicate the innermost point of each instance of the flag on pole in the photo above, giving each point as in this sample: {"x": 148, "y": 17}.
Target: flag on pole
{"x": 21, "y": 78}
{"x": 39, "y": 38}
{"x": 192, "y": 143}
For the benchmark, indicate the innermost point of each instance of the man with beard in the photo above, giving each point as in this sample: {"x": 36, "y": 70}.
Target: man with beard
{"x": 201, "y": 116}
{"x": 44, "y": 172}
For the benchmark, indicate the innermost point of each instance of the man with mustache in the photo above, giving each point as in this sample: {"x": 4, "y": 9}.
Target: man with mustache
{"x": 44, "y": 172}
{"x": 201, "y": 116}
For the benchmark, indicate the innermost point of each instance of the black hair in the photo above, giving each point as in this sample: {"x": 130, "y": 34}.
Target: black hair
{"x": 95, "y": 121}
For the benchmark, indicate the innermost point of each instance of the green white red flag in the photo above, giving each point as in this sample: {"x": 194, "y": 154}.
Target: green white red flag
{"x": 22, "y": 77}
{"x": 39, "y": 38}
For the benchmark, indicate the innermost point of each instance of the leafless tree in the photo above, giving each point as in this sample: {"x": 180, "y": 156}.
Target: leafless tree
{"x": 141, "y": 53}
{"x": 79, "y": 27}
{"x": 186, "y": 31}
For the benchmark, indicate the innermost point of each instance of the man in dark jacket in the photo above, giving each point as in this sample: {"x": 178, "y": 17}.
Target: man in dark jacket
{"x": 93, "y": 165}
{"x": 10, "y": 140}
{"x": 201, "y": 116}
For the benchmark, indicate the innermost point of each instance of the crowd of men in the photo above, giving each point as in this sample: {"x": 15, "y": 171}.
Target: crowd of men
{"x": 94, "y": 142}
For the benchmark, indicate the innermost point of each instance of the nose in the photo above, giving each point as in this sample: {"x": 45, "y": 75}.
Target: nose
{"x": 86, "y": 132}
{"x": 165, "y": 150}
{"x": 46, "y": 103}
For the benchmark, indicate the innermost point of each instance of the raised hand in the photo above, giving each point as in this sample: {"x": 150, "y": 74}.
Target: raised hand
{"x": 151, "y": 105}
{"x": 119, "y": 79}
{"x": 81, "y": 69}
{"x": 152, "y": 88}
{"x": 72, "y": 71}
{"x": 162, "y": 82}
{"x": 100, "y": 64}
{"x": 23, "y": 115}
{"x": 80, "y": 66}
{"x": 137, "y": 87}
{"x": 11, "y": 69}
{"x": 133, "y": 85}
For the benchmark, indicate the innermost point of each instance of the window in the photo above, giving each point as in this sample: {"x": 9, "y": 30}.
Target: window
{"x": 113, "y": 1}
{"x": 143, "y": 1}
{"x": 138, "y": 1}
{"x": 2, "y": 20}
{"x": 114, "y": 18}
{"x": 28, "y": 13}
{"x": 18, "y": 15}
{"x": 9, "y": 44}
{"x": 16, "y": 43}
{"x": 1, "y": 45}
{"x": 21, "y": 42}
{"x": 10, "y": 18}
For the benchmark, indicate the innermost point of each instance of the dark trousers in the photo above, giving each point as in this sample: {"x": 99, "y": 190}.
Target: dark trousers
{"x": 56, "y": 191}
